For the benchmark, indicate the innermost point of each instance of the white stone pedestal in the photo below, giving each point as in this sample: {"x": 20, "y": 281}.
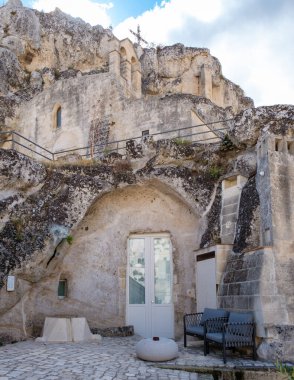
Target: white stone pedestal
{"x": 67, "y": 330}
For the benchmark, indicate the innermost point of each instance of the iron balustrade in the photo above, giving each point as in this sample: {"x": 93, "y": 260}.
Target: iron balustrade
{"x": 97, "y": 150}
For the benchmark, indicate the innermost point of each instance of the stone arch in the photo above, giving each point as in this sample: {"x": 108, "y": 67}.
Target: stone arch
{"x": 99, "y": 251}
{"x": 130, "y": 68}
{"x": 123, "y": 53}
{"x": 57, "y": 116}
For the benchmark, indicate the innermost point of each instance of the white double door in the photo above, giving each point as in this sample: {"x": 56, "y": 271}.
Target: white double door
{"x": 149, "y": 286}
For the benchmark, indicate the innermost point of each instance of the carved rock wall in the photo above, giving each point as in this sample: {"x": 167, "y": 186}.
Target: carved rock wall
{"x": 179, "y": 69}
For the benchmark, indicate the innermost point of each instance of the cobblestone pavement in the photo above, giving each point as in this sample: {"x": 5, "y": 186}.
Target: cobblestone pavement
{"x": 114, "y": 358}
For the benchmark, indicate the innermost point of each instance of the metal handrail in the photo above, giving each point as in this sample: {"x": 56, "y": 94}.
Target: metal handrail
{"x": 15, "y": 142}
{"x": 107, "y": 144}
{"x": 39, "y": 146}
{"x": 153, "y": 134}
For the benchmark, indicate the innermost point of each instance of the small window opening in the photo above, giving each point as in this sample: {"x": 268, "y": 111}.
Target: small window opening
{"x": 145, "y": 133}
{"x": 278, "y": 145}
{"x": 123, "y": 53}
{"x": 62, "y": 289}
{"x": 58, "y": 118}
{"x": 267, "y": 236}
{"x": 290, "y": 147}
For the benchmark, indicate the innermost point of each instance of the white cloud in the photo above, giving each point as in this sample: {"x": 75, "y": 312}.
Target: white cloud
{"x": 90, "y": 11}
{"x": 262, "y": 71}
{"x": 162, "y": 19}
{"x": 251, "y": 38}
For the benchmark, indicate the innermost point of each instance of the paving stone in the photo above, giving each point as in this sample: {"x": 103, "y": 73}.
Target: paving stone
{"x": 113, "y": 359}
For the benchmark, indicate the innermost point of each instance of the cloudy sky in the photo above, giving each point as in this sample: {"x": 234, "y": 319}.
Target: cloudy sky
{"x": 253, "y": 39}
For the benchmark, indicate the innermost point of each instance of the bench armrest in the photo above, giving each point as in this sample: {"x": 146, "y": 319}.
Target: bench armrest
{"x": 240, "y": 329}
{"x": 192, "y": 319}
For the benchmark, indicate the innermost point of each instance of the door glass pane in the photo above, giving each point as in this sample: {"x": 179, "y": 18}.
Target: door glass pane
{"x": 137, "y": 271}
{"x": 162, "y": 271}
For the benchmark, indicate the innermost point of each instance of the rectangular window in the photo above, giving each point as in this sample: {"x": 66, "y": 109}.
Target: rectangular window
{"x": 137, "y": 272}
{"x": 145, "y": 133}
{"x": 10, "y": 287}
{"x": 62, "y": 289}
{"x": 58, "y": 118}
{"x": 162, "y": 271}
{"x": 278, "y": 145}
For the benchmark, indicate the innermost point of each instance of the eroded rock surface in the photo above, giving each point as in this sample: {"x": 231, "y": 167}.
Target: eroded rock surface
{"x": 38, "y": 49}
{"x": 248, "y": 125}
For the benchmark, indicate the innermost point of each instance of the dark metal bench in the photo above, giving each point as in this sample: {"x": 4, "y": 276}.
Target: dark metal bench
{"x": 238, "y": 331}
{"x": 195, "y": 323}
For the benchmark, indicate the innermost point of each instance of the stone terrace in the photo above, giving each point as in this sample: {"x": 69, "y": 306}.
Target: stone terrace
{"x": 113, "y": 359}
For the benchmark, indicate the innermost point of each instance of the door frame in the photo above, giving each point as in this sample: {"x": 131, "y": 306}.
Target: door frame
{"x": 204, "y": 257}
{"x": 148, "y": 273}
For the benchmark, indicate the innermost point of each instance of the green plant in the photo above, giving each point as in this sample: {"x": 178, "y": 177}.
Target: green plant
{"x": 106, "y": 151}
{"x": 19, "y": 228}
{"x": 69, "y": 239}
{"x": 227, "y": 144}
{"x": 180, "y": 141}
{"x": 215, "y": 172}
{"x": 57, "y": 74}
{"x": 285, "y": 369}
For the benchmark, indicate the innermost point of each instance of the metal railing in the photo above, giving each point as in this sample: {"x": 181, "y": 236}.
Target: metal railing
{"x": 18, "y": 141}
{"x": 14, "y": 140}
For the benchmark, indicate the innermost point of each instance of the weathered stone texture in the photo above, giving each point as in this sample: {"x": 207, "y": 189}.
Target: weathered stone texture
{"x": 12, "y": 76}
{"x": 114, "y": 331}
{"x": 92, "y": 108}
{"x": 248, "y": 125}
{"x": 169, "y": 181}
{"x": 247, "y": 229}
{"x": 38, "y": 49}
{"x": 280, "y": 346}
{"x": 46, "y": 203}
{"x": 211, "y": 235}
{"x": 249, "y": 283}
{"x": 180, "y": 69}
{"x": 51, "y": 202}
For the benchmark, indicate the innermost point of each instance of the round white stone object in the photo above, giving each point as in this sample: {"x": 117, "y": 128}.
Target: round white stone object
{"x": 157, "y": 350}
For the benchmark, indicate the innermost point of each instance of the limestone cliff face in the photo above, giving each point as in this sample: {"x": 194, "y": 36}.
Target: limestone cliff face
{"x": 248, "y": 124}
{"x": 98, "y": 204}
{"x": 53, "y": 40}
{"x": 37, "y": 49}
{"x": 180, "y": 69}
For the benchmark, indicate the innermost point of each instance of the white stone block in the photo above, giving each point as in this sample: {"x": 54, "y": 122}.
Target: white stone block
{"x": 56, "y": 330}
{"x": 67, "y": 330}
